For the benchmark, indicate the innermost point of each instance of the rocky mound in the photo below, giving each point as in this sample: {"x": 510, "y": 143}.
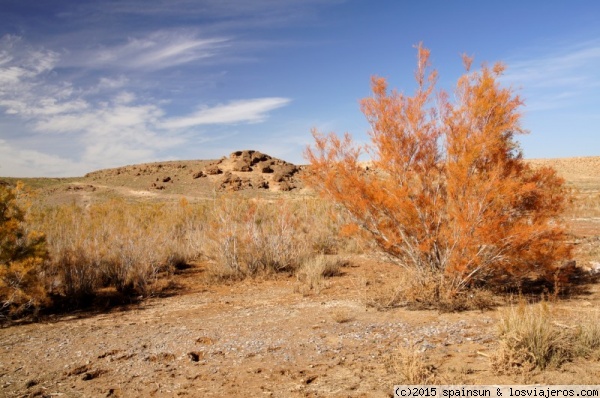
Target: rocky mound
{"x": 241, "y": 170}
{"x": 251, "y": 169}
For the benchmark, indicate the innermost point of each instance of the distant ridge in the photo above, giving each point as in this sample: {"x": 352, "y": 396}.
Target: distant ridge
{"x": 241, "y": 170}
{"x": 247, "y": 171}
{"x": 574, "y": 168}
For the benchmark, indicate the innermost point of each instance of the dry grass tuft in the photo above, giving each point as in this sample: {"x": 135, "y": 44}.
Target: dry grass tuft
{"x": 585, "y": 205}
{"x": 246, "y": 237}
{"x": 411, "y": 365}
{"x": 382, "y": 296}
{"x": 313, "y": 273}
{"x": 587, "y": 340}
{"x": 530, "y": 339}
{"x": 425, "y": 291}
{"x": 342, "y": 315}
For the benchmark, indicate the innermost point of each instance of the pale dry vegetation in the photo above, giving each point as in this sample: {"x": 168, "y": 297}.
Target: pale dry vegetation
{"x": 313, "y": 273}
{"x": 128, "y": 246}
{"x": 428, "y": 291}
{"x": 411, "y": 364}
{"x": 531, "y": 337}
{"x": 117, "y": 244}
{"x": 585, "y": 205}
{"x": 246, "y": 237}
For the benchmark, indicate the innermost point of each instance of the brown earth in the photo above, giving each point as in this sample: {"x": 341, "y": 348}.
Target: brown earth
{"x": 270, "y": 337}
{"x": 580, "y": 172}
{"x": 249, "y": 171}
{"x": 264, "y": 338}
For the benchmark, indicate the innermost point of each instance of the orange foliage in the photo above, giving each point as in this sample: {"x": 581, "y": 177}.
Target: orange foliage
{"x": 448, "y": 190}
{"x": 22, "y": 252}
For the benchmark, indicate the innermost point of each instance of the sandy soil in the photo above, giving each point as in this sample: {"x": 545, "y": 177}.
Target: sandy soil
{"x": 261, "y": 338}
{"x": 265, "y": 337}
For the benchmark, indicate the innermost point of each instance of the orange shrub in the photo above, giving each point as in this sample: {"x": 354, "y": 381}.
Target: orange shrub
{"x": 22, "y": 253}
{"x": 448, "y": 191}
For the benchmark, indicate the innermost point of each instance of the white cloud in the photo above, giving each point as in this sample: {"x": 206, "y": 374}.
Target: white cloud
{"x": 52, "y": 106}
{"x": 558, "y": 76}
{"x": 106, "y": 125}
{"x": 18, "y": 61}
{"x": 156, "y": 51}
{"x": 19, "y": 162}
{"x": 264, "y": 13}
{"x": 241, "y": 111}
{"x": 108, "y": 83}
{"x": 559, "y": 67}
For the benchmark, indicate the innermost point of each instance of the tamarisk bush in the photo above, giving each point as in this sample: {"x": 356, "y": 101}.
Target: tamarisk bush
{"x": 22, "y": 253}
{"x": 448, "y": 193}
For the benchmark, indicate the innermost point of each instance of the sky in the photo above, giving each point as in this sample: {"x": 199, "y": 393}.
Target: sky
{"x": 87, "y": 84}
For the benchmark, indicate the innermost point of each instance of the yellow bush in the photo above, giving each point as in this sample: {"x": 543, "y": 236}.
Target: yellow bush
{"x": 22, "y": 252}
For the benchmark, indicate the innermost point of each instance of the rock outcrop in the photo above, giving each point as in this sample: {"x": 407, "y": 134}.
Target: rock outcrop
{"x": 241, "y": 170}
{"x": 250, "y": 169}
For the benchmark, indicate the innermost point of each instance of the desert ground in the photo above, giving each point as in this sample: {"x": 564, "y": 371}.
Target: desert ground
{"x": 271, "y": 335}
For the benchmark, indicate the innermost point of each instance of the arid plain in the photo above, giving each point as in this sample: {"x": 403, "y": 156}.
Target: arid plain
{"x": 285, "y": 334}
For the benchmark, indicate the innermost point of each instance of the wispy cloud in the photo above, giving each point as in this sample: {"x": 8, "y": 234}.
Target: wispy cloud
{"x": 108, "y": 124}
{"x": 159, "y": 50}
{"x": 553, "y": 78}
{"x": 241, "y": 111}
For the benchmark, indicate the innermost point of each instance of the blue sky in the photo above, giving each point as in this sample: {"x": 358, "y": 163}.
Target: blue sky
{"x": 86, "y": 84}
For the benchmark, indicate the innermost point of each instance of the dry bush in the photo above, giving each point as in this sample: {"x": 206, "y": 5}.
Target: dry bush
{"x": 126, "y": 246}
{"x": 21, "y": 288}
{"x": 419, "y": 291}
{"x": 448, "y": 192}
{"x": 238, "y": 230}
{"x": 585, "y": 205}
{"x": 117, "y": 244}
{"x": 411, "y": 365}
{"x": 247, "y": 236}
{"x": 325, "y": 226}
{"x": 187, "y": 228}
{"x": 22, "y": 252}
{"x": 312, "y": 274}
{"x": 587, "y": 340}
{"x": 530, "y": 339}
{"x": 76, "y": 250}
{"x": 382, "y": 296}
{"x": 342, "y": 315}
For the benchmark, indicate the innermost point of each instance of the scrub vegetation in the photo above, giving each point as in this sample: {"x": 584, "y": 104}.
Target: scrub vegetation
{"x": 446, "y": 258}
{"x": 447, "y": 193}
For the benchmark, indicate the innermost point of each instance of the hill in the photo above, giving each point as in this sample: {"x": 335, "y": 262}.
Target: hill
{"x": 580, "y": 172}
{"x": 249, "y": 171}
{"x": 246, "y": 170}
